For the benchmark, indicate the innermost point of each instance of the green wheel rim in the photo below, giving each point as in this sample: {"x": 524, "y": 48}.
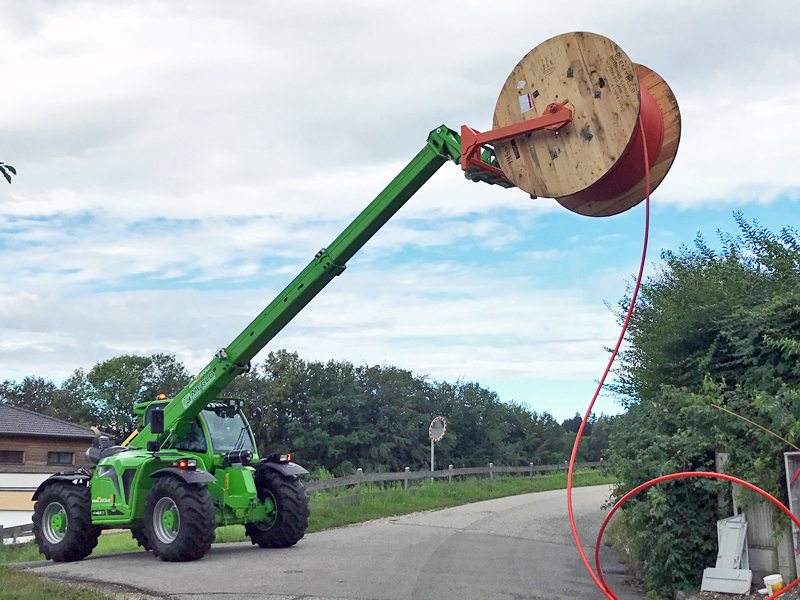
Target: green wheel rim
{"x": 272, "y": 515}
{"x": 54, "y": 523}
{"x": 166, "y": 520}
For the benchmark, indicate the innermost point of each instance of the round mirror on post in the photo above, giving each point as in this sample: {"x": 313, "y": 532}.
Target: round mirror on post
{"x": 436, "y": 433}
{"x": 437, "y": 429}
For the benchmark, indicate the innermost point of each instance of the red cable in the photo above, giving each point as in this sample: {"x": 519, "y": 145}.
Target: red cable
{"x": 598, "y": 578}
{"x": 597, "y": 581}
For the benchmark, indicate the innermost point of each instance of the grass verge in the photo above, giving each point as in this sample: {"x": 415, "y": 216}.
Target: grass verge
{"x": 18, "y": 585}
{"x": 332, "y": 508}
{"x": 375, "y": 502}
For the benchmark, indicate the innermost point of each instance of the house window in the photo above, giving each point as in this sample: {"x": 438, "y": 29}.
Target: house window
{"x": 59, "y": 458}
{"x": 11, "y": 457}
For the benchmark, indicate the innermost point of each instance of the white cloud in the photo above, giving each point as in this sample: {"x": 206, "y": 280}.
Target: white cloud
{"x": 497, "y": 328}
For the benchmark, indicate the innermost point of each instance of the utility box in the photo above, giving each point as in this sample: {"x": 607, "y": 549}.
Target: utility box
{"x": 792, "y": 463}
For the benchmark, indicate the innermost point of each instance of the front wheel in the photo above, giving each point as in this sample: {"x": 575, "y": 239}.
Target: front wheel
{"x": 179, "y": 519}
{"x": 290, "y": 518}
{"x": 62, "y": 522}
{"x": 138, "y": 534}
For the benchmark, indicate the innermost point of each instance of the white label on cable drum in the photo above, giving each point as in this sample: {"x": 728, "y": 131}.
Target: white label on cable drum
{"x": 525, "y": 103}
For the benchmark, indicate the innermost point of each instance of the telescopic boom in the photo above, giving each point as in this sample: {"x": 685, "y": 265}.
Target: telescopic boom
{"x": 442, "y": 145}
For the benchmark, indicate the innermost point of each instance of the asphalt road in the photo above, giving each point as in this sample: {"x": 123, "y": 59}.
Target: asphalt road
{"x": 512, "y": 548}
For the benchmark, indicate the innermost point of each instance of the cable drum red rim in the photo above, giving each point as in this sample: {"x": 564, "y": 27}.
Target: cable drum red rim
{"x": 660, "y": 161}
{"x": 630, "y": 169}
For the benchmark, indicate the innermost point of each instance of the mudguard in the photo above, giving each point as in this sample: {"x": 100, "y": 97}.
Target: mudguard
{"x": 81, "y": 475}
{"x": 194, "y": 476}
{"x": 284, "y": 468}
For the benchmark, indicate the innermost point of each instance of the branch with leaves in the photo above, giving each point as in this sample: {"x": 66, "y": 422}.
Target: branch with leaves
{"x": 6, "y": 169}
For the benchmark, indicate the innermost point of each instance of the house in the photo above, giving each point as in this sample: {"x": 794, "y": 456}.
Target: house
{"x": 33, "y": 447}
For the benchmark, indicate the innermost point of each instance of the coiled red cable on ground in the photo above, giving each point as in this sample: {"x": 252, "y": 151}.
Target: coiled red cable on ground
{"x": 598, "y": 578}
{"x": 685, "y": 475}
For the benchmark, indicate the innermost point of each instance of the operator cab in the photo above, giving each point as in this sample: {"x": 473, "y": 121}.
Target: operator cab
{"x": 222, "y": 426}
{"x": 227, "y": 428}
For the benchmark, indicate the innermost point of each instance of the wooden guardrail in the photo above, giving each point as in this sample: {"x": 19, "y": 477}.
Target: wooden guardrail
{"x": 16, "y": 532}
{"x": 408, "y": 475}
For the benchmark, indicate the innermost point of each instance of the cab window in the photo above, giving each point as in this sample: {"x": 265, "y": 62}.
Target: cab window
{"x": 194, "y": 440}
{"x": 227, "y": 429}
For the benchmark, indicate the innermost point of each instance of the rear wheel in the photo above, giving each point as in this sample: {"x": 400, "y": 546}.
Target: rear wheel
{"x": 62, "y": 522}
{"x": 179, "y": 519}
{"x": 141, "y": 538}
{"x": 290, "y": 519}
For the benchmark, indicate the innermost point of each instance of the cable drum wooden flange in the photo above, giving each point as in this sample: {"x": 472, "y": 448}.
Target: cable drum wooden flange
{"x": 594, "y": 165}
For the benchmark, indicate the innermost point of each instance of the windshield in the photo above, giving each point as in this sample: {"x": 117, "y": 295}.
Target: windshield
{"x": 227, "y": 429}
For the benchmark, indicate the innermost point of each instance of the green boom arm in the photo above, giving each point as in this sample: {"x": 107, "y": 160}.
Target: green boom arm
{"x": 443, "y": 145}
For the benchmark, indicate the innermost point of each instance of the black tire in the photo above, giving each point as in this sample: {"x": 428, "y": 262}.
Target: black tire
{"x": 141, "y": 538}
{"x": 188, "y": 533}
{"x": 62, "y": 522}
{"x": 291, "y": 520}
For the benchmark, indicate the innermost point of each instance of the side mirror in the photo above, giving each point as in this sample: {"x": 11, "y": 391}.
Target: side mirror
{"x": 157, "y": 421}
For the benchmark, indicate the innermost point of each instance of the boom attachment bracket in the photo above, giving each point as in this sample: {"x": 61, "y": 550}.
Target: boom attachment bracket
{"x": 480, "y": 163}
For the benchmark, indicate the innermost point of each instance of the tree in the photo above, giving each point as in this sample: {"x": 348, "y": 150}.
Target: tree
{"x": 573, "y": 424}
{"x": 165, "y": 375}
{"x": 115, "y": 385}
{"x": 33, "y": 393}
{"x": 44, "y": 397}
{"x": 598, "y": 439}
{"x": 337, "y": 416}
{"x": 331, "y": 415}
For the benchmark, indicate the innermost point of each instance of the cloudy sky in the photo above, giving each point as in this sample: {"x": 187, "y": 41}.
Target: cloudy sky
{"x": 179, "y": 163}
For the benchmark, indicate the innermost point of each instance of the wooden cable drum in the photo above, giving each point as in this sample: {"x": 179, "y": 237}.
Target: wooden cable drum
{"x": 594, "y": 165}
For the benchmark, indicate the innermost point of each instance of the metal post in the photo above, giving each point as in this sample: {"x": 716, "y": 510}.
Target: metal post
{"x": 450, "y": 476}
{"x": 405, "y": 478}
{"x": 531, "y": 466}
{"x": 432, "y": 460}
{"x": 491, "y": 471}
{"x": 360, "y": 475}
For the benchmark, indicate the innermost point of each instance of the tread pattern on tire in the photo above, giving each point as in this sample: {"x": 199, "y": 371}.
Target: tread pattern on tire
{"x": 197, "y": 522}
{"x": 81, "y": 536}
{"x": 292, "y": 511}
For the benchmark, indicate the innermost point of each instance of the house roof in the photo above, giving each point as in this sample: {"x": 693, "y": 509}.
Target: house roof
{"x": 19, "y": 421}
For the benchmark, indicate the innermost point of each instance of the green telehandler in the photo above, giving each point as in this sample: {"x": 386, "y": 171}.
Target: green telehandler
{"x": 194, "y": 465}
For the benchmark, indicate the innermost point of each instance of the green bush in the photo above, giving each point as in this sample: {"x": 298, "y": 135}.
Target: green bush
{"x": 710, "y": 328}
